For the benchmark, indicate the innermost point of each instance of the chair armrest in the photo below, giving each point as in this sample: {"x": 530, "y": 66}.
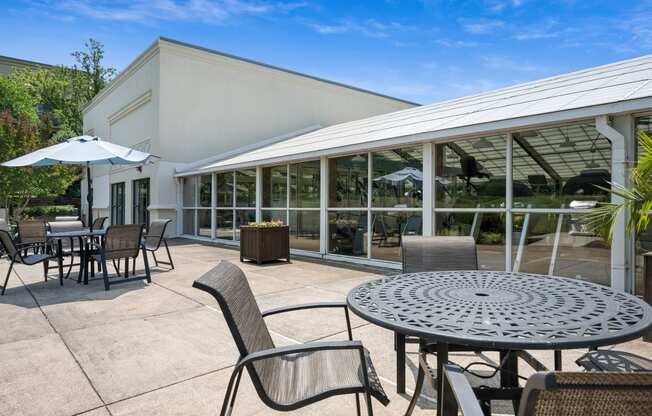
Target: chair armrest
{"x": 297, "y": 349}
{"x": 304, "y": 306}
{"x": 458, "y": 393}
{"x": 320, "y": 305}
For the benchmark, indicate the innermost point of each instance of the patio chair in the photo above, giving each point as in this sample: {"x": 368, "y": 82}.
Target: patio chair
{"x": 33, "y": 232}
{"x": 559, "y": 394}
{"x": 98, "y": 223}
{"x": 15, "y": 253}
{"x": 153, "y": 239}
{"x": 66, "y": 218}
{"x": 67, "y": 244}
{"x": 614, "y": 361}
{"x": 292, "y": 377}
{"x": 121, "y": 242}
{"x": 428, "y": 254}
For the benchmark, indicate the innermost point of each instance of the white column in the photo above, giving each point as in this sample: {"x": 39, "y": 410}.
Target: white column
{"x": 509, "y": 200}
{"x": 620, "y": 131}
{"x": 259, "y": 193}
{"x": 428, "y": 188}
{"x": 213, "y": 204}
{"x": 179, "y": 188}
{"x": 323, "y": 204}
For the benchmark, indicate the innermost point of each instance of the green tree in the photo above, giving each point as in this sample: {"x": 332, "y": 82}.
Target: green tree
{"x": 89, "y": 62}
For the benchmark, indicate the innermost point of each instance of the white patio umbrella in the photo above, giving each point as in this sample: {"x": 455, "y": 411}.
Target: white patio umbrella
{"x": 82, "y": 150}
{"x": 403, "y": 174}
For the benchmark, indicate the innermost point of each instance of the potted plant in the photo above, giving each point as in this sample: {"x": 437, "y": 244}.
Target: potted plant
{"x": 265, "y": 241}
{"x": 637, "y": 201}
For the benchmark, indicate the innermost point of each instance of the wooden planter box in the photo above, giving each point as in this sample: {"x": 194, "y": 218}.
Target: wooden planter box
{"x": 262, "y": 244}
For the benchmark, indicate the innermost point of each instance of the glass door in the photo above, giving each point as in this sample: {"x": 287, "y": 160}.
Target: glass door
{"x": 118, "y": 203}
{"x": 140, "y": 213}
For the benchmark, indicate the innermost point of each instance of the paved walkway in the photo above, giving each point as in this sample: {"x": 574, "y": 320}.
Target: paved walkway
{"x": 164, "y": 349}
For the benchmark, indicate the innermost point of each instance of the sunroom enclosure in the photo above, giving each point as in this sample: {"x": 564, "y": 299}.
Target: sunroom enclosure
{"x": 521, "y": 194}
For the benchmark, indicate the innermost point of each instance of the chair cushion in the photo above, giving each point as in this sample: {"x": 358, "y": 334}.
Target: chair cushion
{"x": 294, "y": 378}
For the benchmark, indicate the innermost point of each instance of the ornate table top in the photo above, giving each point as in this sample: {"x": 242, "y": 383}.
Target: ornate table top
{"x": 501, "y": 310}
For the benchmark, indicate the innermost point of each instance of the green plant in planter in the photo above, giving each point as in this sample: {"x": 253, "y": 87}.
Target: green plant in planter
{"x": 266, "y": 224}
{"x": 637, "y": 198}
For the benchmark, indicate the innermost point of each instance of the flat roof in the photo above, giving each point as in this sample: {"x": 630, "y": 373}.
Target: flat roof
{"x": 608, "y": 89}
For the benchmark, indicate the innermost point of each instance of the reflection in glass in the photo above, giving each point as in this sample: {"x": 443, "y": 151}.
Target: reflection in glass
{"x": 205, "y": 184}
{"x": 224, "y": 224}
{"x": 470, "y": 173}
{"x": 348, "y": 181}
{"x": 388, "y": 228}
{"x": 347, "y": 233}
{"x": 203, "y": 222}
{"x": 189, "y": 221}
{"x": 643, "y": 240}
{"x": 398, "y": 178}
{"x": 189, "y": 189}
{"x": 275, "y": 187}
{"x": 488, "y": 229}
{"x": 245, "y": 183}
{"x": 224, "y": 185}
{"x": 304, "y": 184}
{"x": 559, "y": 245}
{"x": 555, "y": 166}
{"x": 275, "y": 215}
{"x": 304, "y": 230}
{"x": 243, "y": 217}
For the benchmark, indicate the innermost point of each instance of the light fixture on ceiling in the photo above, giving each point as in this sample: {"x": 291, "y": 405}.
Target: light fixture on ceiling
{"x": 566, "y": 142}
{"x": 358, "y": 159}
{"x": 483, "y": 143}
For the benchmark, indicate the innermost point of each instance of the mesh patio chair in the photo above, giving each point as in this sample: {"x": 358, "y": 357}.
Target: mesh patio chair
{"x": 287, "y": 378}
{"x": 430, "y": 254}
{"x": 15, "y": 252}
{"x": 33, "y": 232}
{"x": 98, "y": 223}
{"x": 68, "y": 246}
{"x": 153, "y": 239}
{"x": 614, "y": 361}
{"x": 121, "y": 242}
{"x": 559, "y": 394}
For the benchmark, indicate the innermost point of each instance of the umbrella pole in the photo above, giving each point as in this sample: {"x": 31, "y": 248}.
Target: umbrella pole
{"x": 89, "y": 196}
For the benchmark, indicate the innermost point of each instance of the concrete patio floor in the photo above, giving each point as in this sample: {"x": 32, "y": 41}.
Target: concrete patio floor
{"x": 164, "y": 349}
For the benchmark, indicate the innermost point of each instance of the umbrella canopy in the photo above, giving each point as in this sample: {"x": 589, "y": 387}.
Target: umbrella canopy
{"x": 403, "y": 174}
{"x": 82, "y": 150}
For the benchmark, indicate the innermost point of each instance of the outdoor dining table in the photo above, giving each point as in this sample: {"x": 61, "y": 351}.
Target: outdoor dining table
{"x": 84, "y": 235}
{"x": 498, "y": 311}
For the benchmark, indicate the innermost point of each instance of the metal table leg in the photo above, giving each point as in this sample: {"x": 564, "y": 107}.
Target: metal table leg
{"x": 399, "y": 342}
{"x": 60, "y": 260}
{"x": 509, "y": 373}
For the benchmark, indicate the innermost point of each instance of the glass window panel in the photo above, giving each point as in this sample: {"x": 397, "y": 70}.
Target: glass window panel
{"x": 388, "y": 228}
{"x": 205, "y": 185}
{"x": 487, "y": 228}
{"x": 245, "y": 183}
{"x": 348, "y": 181}
{"x": 224, "y": 224}
{"x": 643, "y": 240}
{"x": 304, "y": 184}
{"x": 580, "y": 254}
{"x": 275, "y": 186}
{"x": 204, "y": 222}
{"x": 189, "y": 221}
{"x": 471, "y": 173}
{"x": 189, "y": 189}
{"x": 398, "y": 178}
{"x": 224, "y": 189}
{"x": 140, "y": 202}
{"x": 555, "y": 166}
{"x": 347, "y": 233}
{"x": 304, "y": 230}
{"x": 243, "y": 217}
{"x": 274, "y": 215}
{"x": 118, "y": 203}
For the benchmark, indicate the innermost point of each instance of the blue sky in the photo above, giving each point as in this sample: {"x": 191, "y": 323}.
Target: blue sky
{"x": 420, "y": 50}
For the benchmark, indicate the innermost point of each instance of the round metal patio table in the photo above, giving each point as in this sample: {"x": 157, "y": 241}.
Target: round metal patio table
{"x": 83, "y": 234}
{"x": 486, "y": 310}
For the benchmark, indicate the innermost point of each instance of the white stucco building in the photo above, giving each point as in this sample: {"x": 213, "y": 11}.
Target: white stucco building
{"x": 185, "y": 103}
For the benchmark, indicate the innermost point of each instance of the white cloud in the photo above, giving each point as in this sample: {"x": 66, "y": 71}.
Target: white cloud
{"x": 455, "y": 43}
{"x": 368, "y": 27}
{"x": 482, "y": 27}
{"x": 504, "y": 63}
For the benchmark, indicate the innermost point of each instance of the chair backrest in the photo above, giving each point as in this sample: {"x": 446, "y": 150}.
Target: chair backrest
{"x": 593, "y": 393}
{"x": 98, "y": 223}
{"x": 229, "y": 286}
{"x": 438, "y": 253}
{"x": 156, "y": 233}
{"x": 32, "y": 231}
{"x": 122, "y": 241}
{"x": 4, "y": 225}
{"x": 8, "y": 244}
{"x": 65, "y": 226}
{"x": 66, "y": 218}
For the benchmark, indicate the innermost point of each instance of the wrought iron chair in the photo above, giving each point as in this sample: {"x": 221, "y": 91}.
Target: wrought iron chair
{"x": 429, "y": 254}
{"x": 559, "y": 394}
{"x": 287, "y": 378}
{"x": 68, "y": 247}
{"x": 614, "y": 361}
{"x": 153, "y": 239}
{"x": 121, "y": 242}
{"x": 15, "y": 252}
